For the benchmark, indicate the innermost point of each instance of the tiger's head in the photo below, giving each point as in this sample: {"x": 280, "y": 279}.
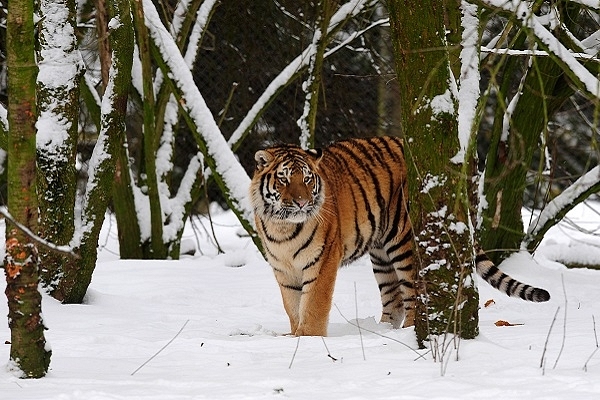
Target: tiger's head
{"x": 286, "y": 185}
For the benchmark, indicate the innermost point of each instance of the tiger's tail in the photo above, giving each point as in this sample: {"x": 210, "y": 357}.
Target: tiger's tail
{"x": 504, "y": 283}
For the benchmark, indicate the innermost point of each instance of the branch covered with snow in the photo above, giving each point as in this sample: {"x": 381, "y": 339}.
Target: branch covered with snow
{"x": 523, "y": 11}
{"x": 294, "y": 68}
{"x": 40, "y": 241}
{"x": 219, "y": 156}
{"x": 583, "y": 187}
{"x": 3, "y": 127}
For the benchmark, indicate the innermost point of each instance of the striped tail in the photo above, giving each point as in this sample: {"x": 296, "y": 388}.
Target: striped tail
{"x": 504, "y": 283}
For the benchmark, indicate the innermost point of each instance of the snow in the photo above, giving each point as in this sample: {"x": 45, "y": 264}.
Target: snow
{"x": 203, "y": 15}
{"x": 114, "y": 23}
{"x": 468, "y": 93}
{"x": 232, "y": 343}
{"x": 60, "y": 66}
{"x": 442, "y": 104}
{"x": 432, "y": 181}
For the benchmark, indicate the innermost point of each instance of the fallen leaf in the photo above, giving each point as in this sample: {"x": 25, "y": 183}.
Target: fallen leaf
{"x": 505, "y": 323}
{"x": 489, "y": 303}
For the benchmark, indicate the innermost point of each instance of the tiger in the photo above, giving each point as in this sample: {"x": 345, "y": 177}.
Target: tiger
{"x": 316, "y": 210}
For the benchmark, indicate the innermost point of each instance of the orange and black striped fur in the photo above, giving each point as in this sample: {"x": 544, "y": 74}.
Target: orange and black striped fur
{"x": 317, "y": 210}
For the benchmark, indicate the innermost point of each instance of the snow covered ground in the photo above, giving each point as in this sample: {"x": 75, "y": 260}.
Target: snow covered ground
{"x": 222, "y": 322}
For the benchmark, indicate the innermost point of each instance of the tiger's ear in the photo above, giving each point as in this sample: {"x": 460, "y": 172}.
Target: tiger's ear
{"x": 316, "y": 153}
{"x": 262, "y": 158}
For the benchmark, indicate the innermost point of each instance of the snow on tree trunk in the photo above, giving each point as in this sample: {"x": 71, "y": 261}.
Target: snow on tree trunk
{"x": 312, "y": 84}
{"x": 60, "y": 69}
{"x": 29, "y": 353}
{"x": 158, "y": 249}
{"x": 439, "y": 192}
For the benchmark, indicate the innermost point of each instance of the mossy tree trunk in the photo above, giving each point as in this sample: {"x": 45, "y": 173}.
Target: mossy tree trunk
{"x": 438, "y": 189}
{"x": 544, "y": 89}
{"x": 509, "y": 160}
{"x": 77, "y": 277}
{"x": 61, "y": 69}
{"x": 29, "y": 354}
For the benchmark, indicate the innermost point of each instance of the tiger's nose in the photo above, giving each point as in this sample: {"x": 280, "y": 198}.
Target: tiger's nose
{"x": 300, "y": 202}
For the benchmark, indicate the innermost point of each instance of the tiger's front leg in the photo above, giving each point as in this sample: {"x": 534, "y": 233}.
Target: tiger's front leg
{"x": 290, "y": 285}
{"x": 317, "y": 295}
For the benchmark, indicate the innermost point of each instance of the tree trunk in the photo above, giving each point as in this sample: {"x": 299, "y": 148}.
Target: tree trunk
{"x": 28, "y": 352}
{"x": 150, "y": 138}
{"x": 76, "y": 279}
{"x": 102, "y": 19}
{"x": 58, "y": 101}
{"x": 439, "y": 190}
{"x": 508, "y": 161}
{"x": 131, "y": 244}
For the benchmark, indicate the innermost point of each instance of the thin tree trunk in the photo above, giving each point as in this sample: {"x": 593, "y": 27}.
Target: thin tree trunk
{"x": 308, "y": 120}
{"x": 438, "y": 189}
{"x": 102, "y": 19}
{"x": 131, "y": 245}
{"x": 158, "y": 249}
{"x": 28, "y": 352}
{"x": 507, "y": 167}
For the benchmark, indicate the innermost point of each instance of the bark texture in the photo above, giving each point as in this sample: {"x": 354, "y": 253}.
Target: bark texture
{"x": 29, "y": 355}
{"x": 438, "y": 190}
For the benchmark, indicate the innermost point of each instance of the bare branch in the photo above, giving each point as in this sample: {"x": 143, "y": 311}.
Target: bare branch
{"x": 38, "y": 240}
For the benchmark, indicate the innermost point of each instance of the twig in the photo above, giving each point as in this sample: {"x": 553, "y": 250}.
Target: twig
{"x": 162, "y": 348}
{"x": 294, "y": 355}
{"x": 597, "y": 346}
{"x": 548, "y": 338}
{"x": 589, "y": 358}
{"x": 40, "y": 241}
{"x": 383, "y": 336}
{"x": 595, "y": 334}
{"x": 227, "y": 104}
{"x": 444, "y": 364}
{"x": 362, "y": 345}
{"x": 328, "y": 352}
{"x": 212, "y": 226}
{"x": 562, "y": 346}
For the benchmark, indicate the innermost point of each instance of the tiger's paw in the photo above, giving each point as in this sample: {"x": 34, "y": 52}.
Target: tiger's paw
{"x": 310, "y": 331}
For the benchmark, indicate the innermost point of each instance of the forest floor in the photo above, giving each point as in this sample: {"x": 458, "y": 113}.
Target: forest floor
{"x": 212, "y": 326}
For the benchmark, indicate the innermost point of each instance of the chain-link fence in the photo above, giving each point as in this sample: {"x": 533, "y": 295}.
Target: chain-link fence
{"x": 250, "y": 42}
